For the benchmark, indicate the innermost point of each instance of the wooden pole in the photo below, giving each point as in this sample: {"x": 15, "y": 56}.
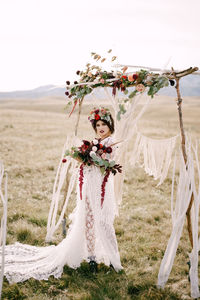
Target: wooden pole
{"x": 176, "y": 77}
{"x": 179, "y": 104}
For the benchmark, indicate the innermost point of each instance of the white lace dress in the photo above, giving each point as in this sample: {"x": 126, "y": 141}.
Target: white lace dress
{"x": 91, "y": 235}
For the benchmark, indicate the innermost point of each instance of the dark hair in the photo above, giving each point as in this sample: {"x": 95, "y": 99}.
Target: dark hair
{"x": 109, "y": 124}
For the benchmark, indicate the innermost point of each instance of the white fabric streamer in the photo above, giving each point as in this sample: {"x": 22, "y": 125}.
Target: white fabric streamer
{"x": 124, "y": 131}
{"x": 186, "y": 187}
{"x": 178, "y": 217}
{"x": 156, "y": 155}
{"x": 65, "y": 170}
{"x": 4, "y": 199}
{"x": 194, "y": 255}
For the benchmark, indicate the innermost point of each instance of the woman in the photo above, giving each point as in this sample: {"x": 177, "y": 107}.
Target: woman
{"x": 91, "y": 236}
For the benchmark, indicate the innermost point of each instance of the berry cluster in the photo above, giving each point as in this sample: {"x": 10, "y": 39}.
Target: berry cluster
{"x": 103, "y": 187}
{"x": 81, "y": 180}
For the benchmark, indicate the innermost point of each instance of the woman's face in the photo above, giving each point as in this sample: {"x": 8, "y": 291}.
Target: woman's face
{"x": 102, "y": 129}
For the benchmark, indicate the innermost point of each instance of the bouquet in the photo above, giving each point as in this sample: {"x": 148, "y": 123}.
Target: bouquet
{"x": 94, "y": 153}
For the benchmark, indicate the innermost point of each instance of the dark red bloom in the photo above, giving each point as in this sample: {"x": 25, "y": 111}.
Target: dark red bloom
{"x": 77, "y": 72}
{"x": 75, "y": 82}
{"x": 108, "y": 149}
{"x": 135, "y": 76}
{"x": 64, "y": 160}
{"x": 86, "y": 143}
{"x": 66, "y": 93}
{"x": 96, "y": 111}
{"x": 68, "y": 82}
{"x": 97, "y": 117}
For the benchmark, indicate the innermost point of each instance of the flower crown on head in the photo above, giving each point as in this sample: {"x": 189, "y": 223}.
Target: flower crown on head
{"x": 100, "y": 113}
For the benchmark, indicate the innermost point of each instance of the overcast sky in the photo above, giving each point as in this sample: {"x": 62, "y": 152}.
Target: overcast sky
{"x": 46, "y": 41}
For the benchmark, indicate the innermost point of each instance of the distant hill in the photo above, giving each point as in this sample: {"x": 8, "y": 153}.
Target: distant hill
{"x": 190, "y": 86}
{"x": 39, "y": 92}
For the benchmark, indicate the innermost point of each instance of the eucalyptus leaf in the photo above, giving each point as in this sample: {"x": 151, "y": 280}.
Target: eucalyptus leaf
{"x": 132, "y": 94}
{"x": 75, "y": 155}
{"x": 101, "y": 163}
{"x": 106, "y": 163}
{"x": 102, "y": 170}
{"x": 112, "y": 163}
{"x": 118, "y": 116}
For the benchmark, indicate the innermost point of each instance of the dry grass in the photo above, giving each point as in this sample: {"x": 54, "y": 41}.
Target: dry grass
{"x": 33, "y": 133}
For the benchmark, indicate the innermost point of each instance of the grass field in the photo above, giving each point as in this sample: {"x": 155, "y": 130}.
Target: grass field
{"x": 32, "y": 134}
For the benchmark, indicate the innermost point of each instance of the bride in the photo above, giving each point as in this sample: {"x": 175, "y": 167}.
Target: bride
{"x": 91, "y": 236}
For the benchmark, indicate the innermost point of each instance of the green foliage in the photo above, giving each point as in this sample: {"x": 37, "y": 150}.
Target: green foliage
{"x": 16, "y": 217}
{"x": 159, "y": 82}
{"x": 150, "y": 292}
{"x": 143, "y": 74}
{"x": 132, "y": 94}
{"x": 51, "y": 168}
{"x": 37, "y": 197}
{"x": 24, "y": 235}
{"x": 121, "y": 111}
{"x": 103, "y": 163}
{"x": 38, "y": 222}
{"x": 12, "y": 292}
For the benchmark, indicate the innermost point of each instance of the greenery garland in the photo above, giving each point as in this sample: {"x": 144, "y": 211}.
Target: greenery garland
{"x": 94, "y": 76}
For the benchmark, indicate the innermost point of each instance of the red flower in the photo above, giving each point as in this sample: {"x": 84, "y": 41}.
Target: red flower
{"x": 96, "y": 111}
{"x": 100, "y": 146}
{"x": 64, "y": 160}
{"x": 124, "y": 76}
{"x": 84, "y": 148}
{"x": 97, "y": 117}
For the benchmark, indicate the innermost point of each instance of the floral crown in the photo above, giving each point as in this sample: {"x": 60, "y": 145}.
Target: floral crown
{"x": 100, "y": 113}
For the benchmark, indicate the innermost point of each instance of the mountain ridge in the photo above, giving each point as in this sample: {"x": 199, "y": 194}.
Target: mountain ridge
{"x": 189, "y": 86}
